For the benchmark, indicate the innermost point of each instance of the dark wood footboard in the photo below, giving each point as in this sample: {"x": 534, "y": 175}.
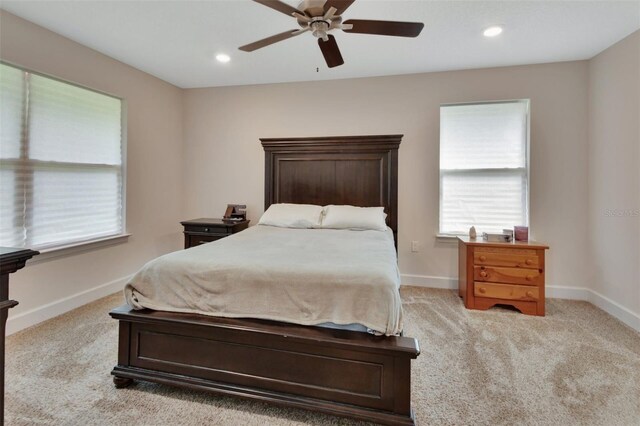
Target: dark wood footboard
{"x": 338, "y": 372}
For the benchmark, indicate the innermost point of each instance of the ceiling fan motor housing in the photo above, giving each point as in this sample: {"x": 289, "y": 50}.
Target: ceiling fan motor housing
{"x": 317, "y": 20}
{"x": 312, "y": 7}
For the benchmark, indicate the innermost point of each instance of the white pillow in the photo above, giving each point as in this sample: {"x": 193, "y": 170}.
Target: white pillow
{"x": 358, "y": 218}
{"x": 292, "y": 216}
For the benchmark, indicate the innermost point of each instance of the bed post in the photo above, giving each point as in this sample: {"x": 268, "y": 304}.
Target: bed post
{"x": 124, "y": 341}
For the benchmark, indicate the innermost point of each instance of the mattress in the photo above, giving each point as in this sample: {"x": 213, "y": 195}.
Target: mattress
{"x": 302, "y": 276}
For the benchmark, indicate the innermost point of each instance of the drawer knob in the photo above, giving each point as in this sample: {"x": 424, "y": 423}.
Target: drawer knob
{"x": 483, "y": 258}
{"x": 529, "y": 294}
{"x": 528, "y": 261}
{"x": 482, "y": 290}
{"x": 529, "y": 277}
{"x": 483, "y": 274}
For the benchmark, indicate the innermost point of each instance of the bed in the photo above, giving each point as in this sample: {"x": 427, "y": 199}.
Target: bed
{"x": 336, "y": 371}
{"x": 301, "y": 276}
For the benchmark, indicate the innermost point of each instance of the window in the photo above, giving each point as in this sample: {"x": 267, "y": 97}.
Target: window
{"x": 61, "y": 168}
{"x": 484, "y": 166}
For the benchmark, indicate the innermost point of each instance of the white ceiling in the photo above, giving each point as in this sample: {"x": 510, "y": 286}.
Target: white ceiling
{"x": 177, "y": 40}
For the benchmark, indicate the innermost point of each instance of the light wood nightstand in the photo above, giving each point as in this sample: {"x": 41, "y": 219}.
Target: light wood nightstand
{"x": 502, "y": 273}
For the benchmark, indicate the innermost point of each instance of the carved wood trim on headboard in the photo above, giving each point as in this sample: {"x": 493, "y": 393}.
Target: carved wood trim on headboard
{"x": 355, "y": 170}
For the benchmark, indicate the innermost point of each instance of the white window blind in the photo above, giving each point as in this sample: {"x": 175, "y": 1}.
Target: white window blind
{"x": 484, "y": 174}
{"x": 61, "y": 172}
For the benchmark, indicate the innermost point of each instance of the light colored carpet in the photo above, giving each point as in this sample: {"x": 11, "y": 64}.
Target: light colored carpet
{"x": 577, "y": 365}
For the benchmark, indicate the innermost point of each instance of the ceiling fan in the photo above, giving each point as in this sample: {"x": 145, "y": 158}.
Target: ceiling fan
{"x": 323, "y": 16}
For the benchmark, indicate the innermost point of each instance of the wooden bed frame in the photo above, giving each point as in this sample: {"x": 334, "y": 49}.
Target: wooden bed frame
{"x": 345, "y": 373}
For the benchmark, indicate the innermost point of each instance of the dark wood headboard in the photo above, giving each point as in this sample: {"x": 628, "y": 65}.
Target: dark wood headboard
{"x": 354, "y": 170}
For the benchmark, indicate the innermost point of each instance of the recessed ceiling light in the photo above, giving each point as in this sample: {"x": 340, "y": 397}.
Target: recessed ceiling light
{"x": 492, "y": 31}
{"x": 223, "y": 58}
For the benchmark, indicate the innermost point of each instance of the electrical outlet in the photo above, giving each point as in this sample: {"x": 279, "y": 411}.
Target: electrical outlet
{"x": 415, "y": 246}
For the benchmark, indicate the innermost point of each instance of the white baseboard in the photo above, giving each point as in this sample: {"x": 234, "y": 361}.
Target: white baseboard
{"x": 564, "y": 292}
{"x": 630, "y": 318}
{"x": 627, "y": 316}
{"x": 34, "y": 316}
{"x": 428, "y": 281}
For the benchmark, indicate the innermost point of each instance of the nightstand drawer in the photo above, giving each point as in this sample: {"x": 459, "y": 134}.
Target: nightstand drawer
{"x": 506, "y": 257}
{"x": 203, "y": 229}
{"x": 196, "y": 240}
{"x": 504, "y": 291}
{"x": 507, "y": 275}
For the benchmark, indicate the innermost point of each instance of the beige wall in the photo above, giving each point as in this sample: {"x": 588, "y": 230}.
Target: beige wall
{"x": 190, "y": 152}
{"x": 154, "y": 155}
{"x": 224, "y": 158}
{"x": 614, "y": 172}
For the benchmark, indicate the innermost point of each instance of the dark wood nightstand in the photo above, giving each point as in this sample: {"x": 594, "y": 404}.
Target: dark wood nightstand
{"x": 201, "y": 231}
{"x": 11, "y": 259}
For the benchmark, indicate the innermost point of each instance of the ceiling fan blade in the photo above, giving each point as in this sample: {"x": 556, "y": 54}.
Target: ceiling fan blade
{"x": 330, "y": 51}
{"x": 269, "y": 40}
{"x": 340, "y": 5}
{"x": 387, "y": 28}
{"x": 279, "y": 6}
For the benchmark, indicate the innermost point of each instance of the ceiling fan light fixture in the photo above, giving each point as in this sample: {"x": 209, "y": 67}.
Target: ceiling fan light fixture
{"x": 319, "y": 29}
{"x": 493, "y": 31}
{"x": 224, "y": 58}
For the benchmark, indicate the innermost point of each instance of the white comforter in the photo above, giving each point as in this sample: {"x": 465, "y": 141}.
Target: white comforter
{"x": 302, "y": 276}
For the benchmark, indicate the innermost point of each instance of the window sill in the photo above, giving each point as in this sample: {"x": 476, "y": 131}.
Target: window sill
{"x": 48, "y": 254}
{"x": 447, "y": 238}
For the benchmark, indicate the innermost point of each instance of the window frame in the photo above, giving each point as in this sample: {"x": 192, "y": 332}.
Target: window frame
{"x": 526, "y": 171}
{"x": 80, "y": 244}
